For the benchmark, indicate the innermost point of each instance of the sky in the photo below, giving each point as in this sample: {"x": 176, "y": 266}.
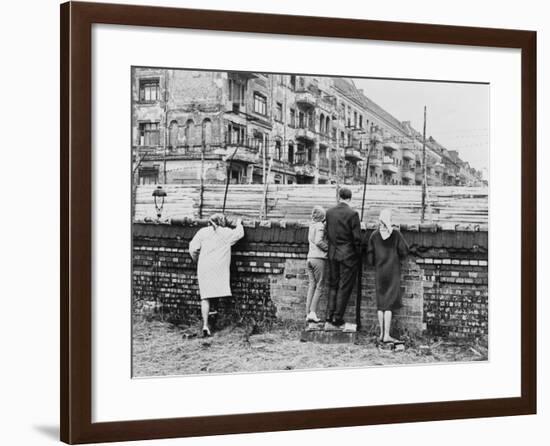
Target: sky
{"x": 457, "y": 114}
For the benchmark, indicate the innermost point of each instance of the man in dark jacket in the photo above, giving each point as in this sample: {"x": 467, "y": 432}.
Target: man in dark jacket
{"x": 344, "y": 249}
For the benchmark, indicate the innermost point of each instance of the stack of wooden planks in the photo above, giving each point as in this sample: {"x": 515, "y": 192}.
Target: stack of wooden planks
{"x": 445, "y": 205}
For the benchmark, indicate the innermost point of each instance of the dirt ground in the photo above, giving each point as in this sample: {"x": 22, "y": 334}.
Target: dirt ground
{"x": 161, "y": 348}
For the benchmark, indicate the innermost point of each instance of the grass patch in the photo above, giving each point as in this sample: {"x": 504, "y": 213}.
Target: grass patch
{"x": 161, "y": 348}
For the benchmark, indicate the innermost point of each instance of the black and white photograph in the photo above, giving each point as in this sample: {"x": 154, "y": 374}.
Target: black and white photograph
{"x": 275, "y": 223}
{"x": 290, "y": 221}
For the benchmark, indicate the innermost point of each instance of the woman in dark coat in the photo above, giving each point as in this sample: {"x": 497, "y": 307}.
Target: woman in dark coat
{"x": 385, "y": 250}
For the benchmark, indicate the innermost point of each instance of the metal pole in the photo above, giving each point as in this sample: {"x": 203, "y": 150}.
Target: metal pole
{"x": 165, "y": 120}
{"x": 337, "y": 155}
{"x": 263, "y": 215}
{"x": 266, "y": 185}
{"x": 360, "y": 271}
{"x": 365, "y": 181}
{"x": 424, "y": 179}
{"x": 228, "y": 173}
{"x": 201, "y": 192}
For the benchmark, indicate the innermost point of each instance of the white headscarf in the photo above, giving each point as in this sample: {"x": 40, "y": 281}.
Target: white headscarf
{"x": 385, "y": 227}
{"x": 217, "y": 220}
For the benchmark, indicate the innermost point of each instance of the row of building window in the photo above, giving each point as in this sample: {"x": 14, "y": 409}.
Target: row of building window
{"x": 149, "y": 91}
{"x": 149, "y": 133}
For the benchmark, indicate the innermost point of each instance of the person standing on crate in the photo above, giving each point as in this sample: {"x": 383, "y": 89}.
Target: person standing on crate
{"x": 344, "y": 248}
{"x": 385, "y": 250}
{"x": 316, "y": 262}
{"x": 211, "y": 249}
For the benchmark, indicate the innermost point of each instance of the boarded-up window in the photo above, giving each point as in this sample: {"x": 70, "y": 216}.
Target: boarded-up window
{"x": 189, "y": 132}
{"x": 173, "y": 138}
{"x": 207, "y": 131}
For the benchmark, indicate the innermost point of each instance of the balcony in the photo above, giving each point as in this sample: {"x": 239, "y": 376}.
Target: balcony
{"x": 305, "y": 133}
{"x": 325, "y": 139}
{"x": 408, "y": 154}
{"x": 376, "y": 137}
{"x": 352, "y": 154}
{"x": 391, "y": 145}
{"x": 408, "y": 175}
{"x": 239, "y": 152}
{"x": 375, "y": 154}
{"x": 304, "y": 168}
{"x": 430, "y": 177}
{"x": 374, "y": 161}
{"x": 280, "y": 165}
{"x": 450, "y": 172}
{"x": 234, "y": 106}
{"x": 306, "y": 99}
{"x": 388, "y": 165}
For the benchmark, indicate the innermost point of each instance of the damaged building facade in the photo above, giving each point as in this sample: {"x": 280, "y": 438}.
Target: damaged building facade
{"x": 214, "y": 126}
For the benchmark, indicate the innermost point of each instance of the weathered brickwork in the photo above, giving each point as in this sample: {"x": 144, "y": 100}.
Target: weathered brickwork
{"x": 444, "y": 280}
{"x": 456, "y": 296}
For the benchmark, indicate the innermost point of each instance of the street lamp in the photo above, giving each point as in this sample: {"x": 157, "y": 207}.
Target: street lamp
{"x": 159, "y": 195}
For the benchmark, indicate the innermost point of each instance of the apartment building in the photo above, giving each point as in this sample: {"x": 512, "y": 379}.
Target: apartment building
{"x": 242, "y": 127}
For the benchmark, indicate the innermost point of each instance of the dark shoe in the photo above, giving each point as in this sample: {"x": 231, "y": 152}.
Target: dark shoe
{"x": 329, "y": 326}
{"x": 206, "y": 333}
{"x": 338, "y": 322}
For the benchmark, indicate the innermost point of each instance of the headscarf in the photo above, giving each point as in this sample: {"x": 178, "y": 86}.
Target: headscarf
{"x": 384, "y": 220}
{"x": 318, "y": 214}
{"x": 217, "y": 220}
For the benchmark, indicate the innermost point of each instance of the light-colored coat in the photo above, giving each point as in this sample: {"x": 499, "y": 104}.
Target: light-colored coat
{"x": 213, "y": 247}
{"x": 317, "y": 239}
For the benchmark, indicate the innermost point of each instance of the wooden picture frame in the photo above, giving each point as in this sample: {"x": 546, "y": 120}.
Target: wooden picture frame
{"x": 76, "y": 221}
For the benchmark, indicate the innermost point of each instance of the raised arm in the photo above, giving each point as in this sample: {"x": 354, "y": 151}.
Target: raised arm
{"x": 237, "y": 233}
{"x": 195, "y": 246}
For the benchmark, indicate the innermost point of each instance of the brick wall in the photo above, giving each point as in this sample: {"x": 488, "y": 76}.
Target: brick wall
{"x": 444, "y": 280}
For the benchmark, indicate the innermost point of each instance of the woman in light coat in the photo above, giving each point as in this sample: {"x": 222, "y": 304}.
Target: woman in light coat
{"x": 211, "y": 248}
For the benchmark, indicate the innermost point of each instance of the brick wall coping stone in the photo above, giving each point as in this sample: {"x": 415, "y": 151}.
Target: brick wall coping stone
{"x": 419, "y": 237}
